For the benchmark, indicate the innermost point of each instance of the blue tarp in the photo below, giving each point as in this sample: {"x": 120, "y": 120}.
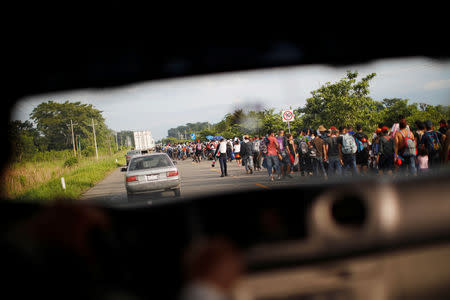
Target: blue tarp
{"x": 209, "y": 137}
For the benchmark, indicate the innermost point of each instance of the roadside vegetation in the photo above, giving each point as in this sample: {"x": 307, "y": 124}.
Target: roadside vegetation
{"x": 60, "y": 140}
{"x": 41, "y": 181}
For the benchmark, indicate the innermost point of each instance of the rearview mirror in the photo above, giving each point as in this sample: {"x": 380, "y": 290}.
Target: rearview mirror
{"x": 174, "y": 162}
{"x": 123, "y": 170}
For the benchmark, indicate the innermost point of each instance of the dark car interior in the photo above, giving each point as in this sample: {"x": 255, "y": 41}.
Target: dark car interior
{"x": 345, "y": 239}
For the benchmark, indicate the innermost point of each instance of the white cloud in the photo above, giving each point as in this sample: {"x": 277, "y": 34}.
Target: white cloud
{"x": 437, "y": 84}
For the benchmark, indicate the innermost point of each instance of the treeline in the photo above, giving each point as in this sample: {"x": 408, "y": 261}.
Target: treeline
{"x": 48, "y": 133}
{"x": 346, "y": 102}
{"x": 184, "y": 131}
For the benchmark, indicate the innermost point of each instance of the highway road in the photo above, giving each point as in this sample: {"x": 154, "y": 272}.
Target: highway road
{"x": 196, "y": 180}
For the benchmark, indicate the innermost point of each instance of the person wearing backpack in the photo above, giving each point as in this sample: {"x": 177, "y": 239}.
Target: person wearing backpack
{"x": 263, "y": 151}
{"x": 362, "y": 150}
{"x": 432, "y": 141}
{"x": 332, "y": 154}
{"x": 446, "y": 150}
{"x": 347, "y": 149}
{"x": 230, "y": 153}
{"x": 405, "y": 148}
{"x": 221, "y": 155}
{"x": 236, "y": 151}
{"x": 385, "y": 155}
{"x": 272, "y": 157}
{"x": 418, "y": 134}
{"x": 375, "y": 149}
{"x": 247, "y": 154}
{"x": 285, "y": 162}
{"x": 318, "y": 160}
{"x": 256, "y": 153}
{"x": 303, "y": 154}
{"x": 292, "y": 152}
{"x": 198, "y": 152}
{"x": 443, "y": 127}
{"x": 420, "y": 130}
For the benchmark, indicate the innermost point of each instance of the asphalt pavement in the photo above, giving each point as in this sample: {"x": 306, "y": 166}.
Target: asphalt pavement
{"x": 197, "y": 179}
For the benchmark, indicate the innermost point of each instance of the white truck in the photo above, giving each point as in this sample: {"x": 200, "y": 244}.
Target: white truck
{"x": 144, "y": 141}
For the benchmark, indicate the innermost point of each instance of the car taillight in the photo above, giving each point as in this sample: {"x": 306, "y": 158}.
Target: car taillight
{"x": 172, "y": 173}
{"x": 131, "y": 178}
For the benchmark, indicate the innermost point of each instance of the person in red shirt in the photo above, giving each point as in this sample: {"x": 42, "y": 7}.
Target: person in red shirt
{"x": 272, "y": 159}
{"x": 401, "y": 137}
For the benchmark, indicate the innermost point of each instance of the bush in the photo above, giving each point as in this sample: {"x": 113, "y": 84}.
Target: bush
{"x": 71, "y": 162}
{"x": 88, "y": 151}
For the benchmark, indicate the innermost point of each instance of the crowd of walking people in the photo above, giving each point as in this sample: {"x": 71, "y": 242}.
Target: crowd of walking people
{"x": 325, "y": 152}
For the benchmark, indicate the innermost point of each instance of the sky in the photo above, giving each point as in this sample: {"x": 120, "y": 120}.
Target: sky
{"x": 160, "y": 105}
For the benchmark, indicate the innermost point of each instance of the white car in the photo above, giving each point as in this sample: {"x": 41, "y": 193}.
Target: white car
{"x": 151, "y": 172}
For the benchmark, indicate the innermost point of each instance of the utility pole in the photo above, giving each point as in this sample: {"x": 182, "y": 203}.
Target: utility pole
{"x": 117, "y": 143}
{"x": 73, "y": 138}
{"x": 95, "y": 139}
{"x": 109, "y": 144}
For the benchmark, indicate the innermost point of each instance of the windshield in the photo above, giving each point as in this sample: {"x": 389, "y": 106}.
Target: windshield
{"x": 150, "y": 162}
{"x": 254, "y": 130}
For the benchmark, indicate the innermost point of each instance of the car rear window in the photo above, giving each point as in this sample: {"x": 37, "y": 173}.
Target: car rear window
{"x": 150, "y": 162}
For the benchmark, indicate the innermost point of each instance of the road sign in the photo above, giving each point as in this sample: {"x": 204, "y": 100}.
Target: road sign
{"x": 192, "y": 136}
{"x": 287, "y": 115}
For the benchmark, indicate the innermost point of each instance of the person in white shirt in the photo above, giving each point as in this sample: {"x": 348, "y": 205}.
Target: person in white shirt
{"x": 237, "y": 152}
{"x": 221, "y": 153}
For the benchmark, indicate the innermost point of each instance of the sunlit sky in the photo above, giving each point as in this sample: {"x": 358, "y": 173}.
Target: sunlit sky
{"x": 161, "y": 105}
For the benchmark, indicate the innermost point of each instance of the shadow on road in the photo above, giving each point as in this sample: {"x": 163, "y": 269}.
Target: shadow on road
{"x": 150, "y": 196}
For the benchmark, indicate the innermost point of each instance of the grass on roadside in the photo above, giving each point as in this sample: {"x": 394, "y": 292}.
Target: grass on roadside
{"x": 42, "y": 181}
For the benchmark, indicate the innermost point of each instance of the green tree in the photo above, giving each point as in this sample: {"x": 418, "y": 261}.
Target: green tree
{"x": 272, "y": 121}
{"x": 422, "y": 112}
{"x": 169, "y": 140}
{"x": 345, "y": 102}
{"x": 52, "y": 121}
{"x": 186, "y": 130}
{"x": 124, "y": 136}
{"x": 392, "y": 108}
{"x": 23, "y": 137}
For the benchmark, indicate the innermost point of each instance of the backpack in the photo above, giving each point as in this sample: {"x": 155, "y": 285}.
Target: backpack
{"x": 255, "y": 147}
{"x": 388, "y": 148}
{"x": 434, "y": 146}
{"x": 312, "y": 151}
{"x": 376, "y": 148}
{"x": 199, "y": 146}
{"x": 304, "y": 147}
{"x": 409, "y": 145}
{"x": 246, "y": 148}
{"x": 348, "y": 144}
{"x": 263, "y": 146}
{"x": 360, "y": 145}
